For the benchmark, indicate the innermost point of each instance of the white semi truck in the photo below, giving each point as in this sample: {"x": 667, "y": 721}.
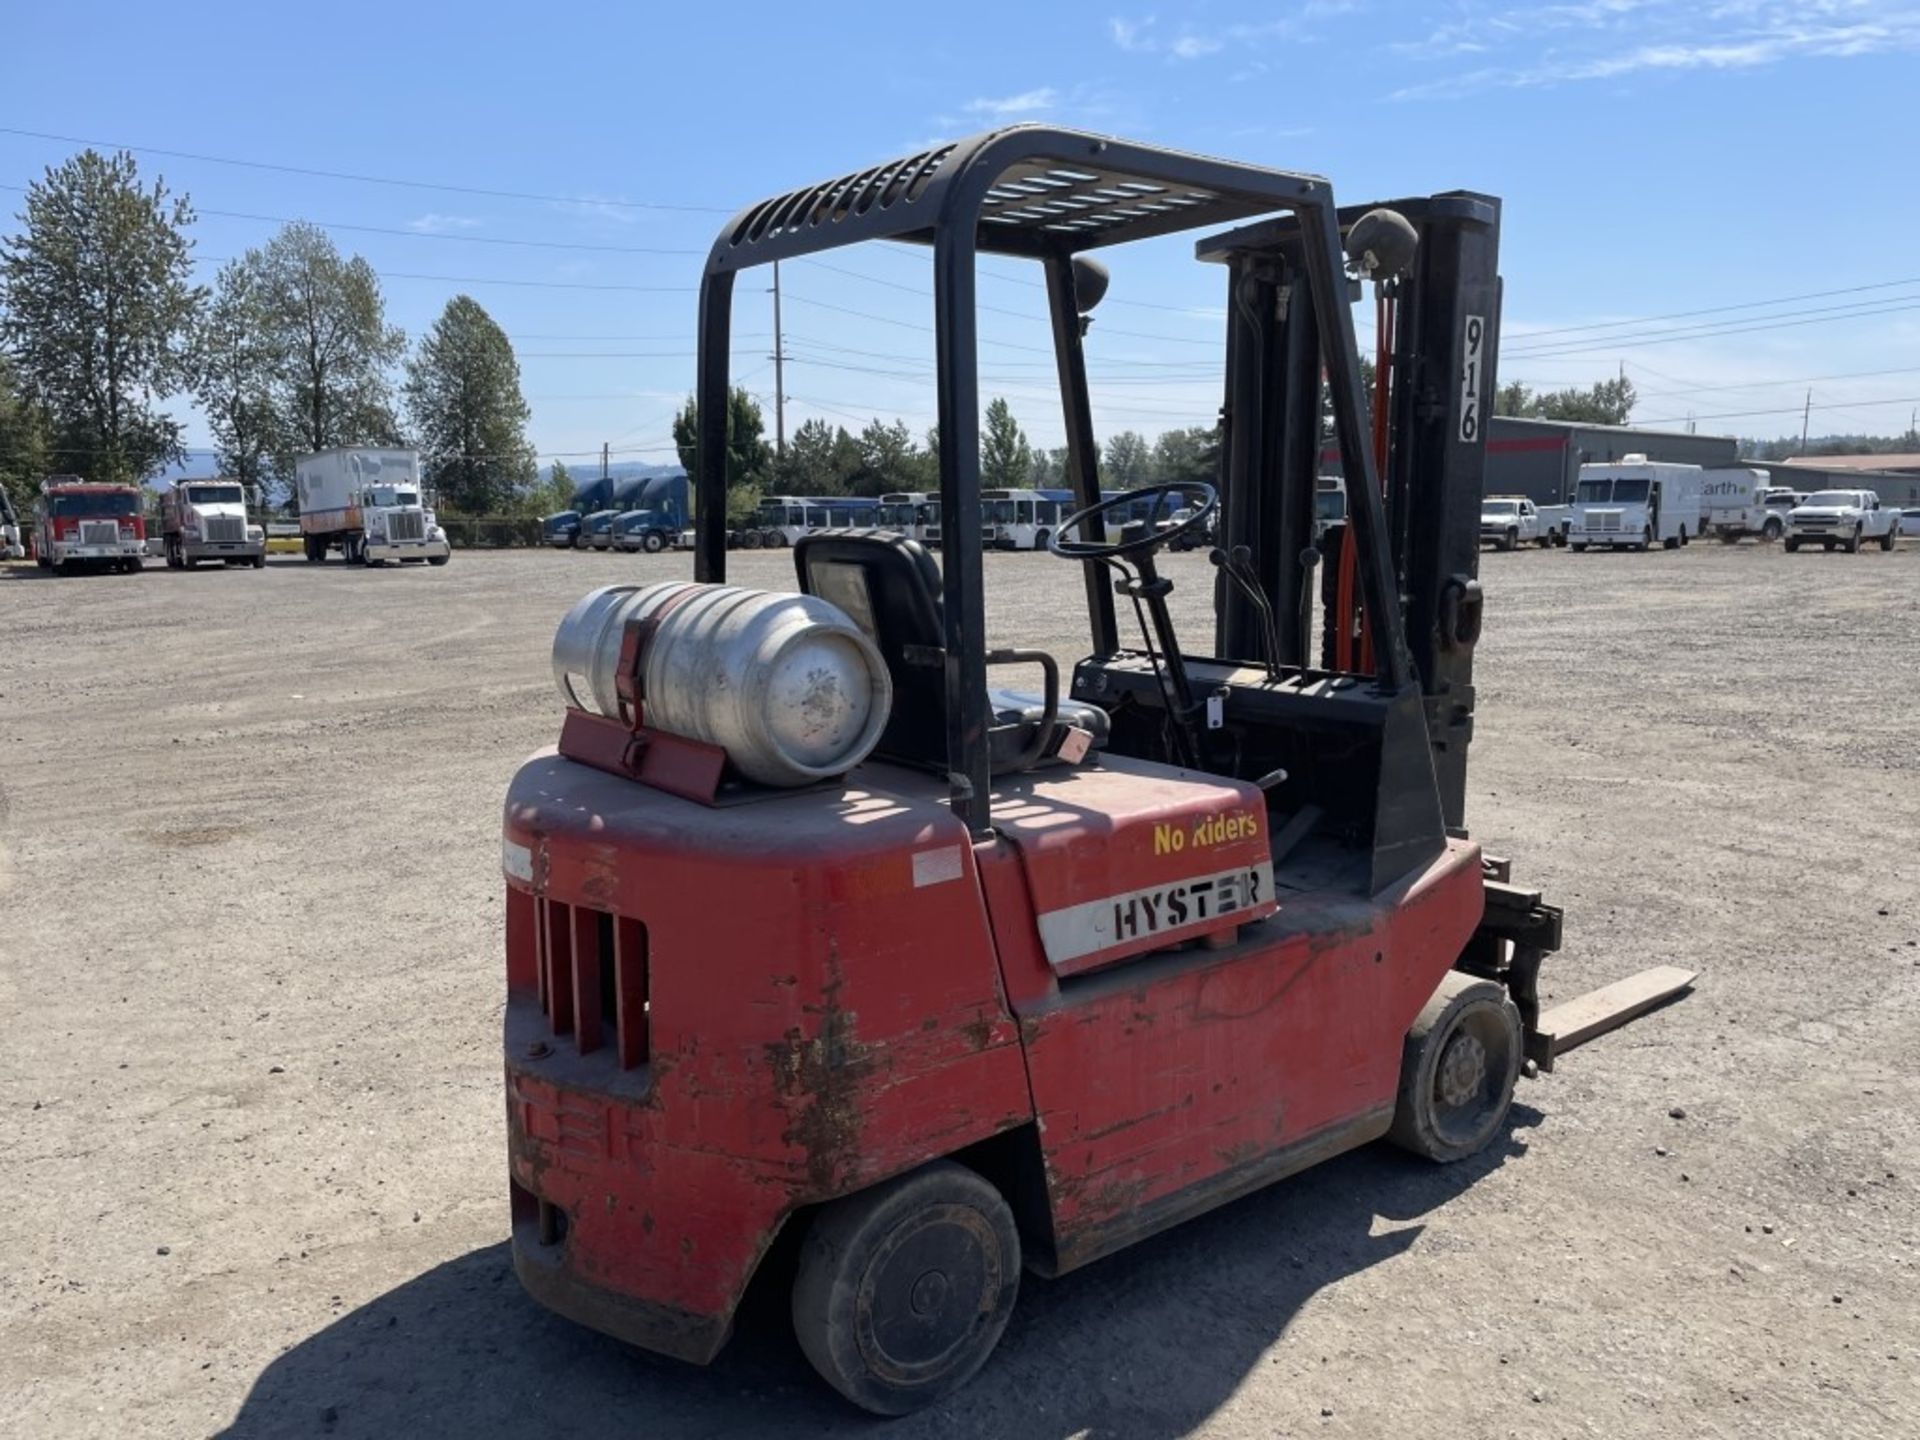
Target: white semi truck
{"x": 207, "y": 520}
{"x": 368, "y": 504}
{"x": 1635, "y": 504}
{"x": 11, "y": 546}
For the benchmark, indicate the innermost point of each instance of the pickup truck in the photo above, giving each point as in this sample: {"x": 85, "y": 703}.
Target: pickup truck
{"x": 1845, "y": 518}
{"x": 1511, "y": 520}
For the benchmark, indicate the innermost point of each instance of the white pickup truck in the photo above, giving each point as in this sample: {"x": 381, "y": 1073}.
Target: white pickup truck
{"x": 1508, "y": 521}
{"x": 1846, "y": 518}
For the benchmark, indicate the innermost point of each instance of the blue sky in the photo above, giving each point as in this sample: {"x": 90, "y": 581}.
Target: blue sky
{"x": 1653, "y": 156}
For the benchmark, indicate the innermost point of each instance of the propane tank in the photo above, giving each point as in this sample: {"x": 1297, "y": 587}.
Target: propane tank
{"x": 786, "y": 684}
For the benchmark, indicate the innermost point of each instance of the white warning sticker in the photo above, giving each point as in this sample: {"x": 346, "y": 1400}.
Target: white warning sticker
{"x": 517, "y": 860}
{"x": 936, "y": 867}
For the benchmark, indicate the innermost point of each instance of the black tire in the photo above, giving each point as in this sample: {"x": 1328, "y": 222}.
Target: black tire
{"x": 1672, "y": 542}
{"x": 439, "y": 559}
{"x": 1510, "y": 541}
{"x": 172, "y": 548}
{"x": 1793, "y": 544}
{"x": 1040, "y": 538}
{"x": 751, "y": 540}
{"x": 1458, "y": 1067}
{"x": 1729, "y": 537}
{"x": 260, "y": 561}
{"x": 1852, "y": 543}
{"x": 652, "y": 543}
{"x": 1887, "y": 540}
{"x": 1578, "y": 548}
{"x": 1771, "y": 531}
{"x": 1646, "y": 539}
{"x": 903, "y": 1290}
{"x": 191, "y": 563}
{"x": 777, "y": 540}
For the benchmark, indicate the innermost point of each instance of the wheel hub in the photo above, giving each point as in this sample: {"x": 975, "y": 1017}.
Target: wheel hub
{"x": 1463, "y": 1070}
{"x": 929, "y": 1293}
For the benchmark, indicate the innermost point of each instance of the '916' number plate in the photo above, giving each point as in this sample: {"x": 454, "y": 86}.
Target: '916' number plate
{"x": 1473, "y": 349}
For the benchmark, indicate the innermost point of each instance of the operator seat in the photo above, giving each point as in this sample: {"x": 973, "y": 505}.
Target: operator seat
{"x": 890, "y": 587}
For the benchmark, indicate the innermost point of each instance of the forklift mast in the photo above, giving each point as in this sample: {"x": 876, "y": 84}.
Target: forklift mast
{"x": 1275, "y": 447}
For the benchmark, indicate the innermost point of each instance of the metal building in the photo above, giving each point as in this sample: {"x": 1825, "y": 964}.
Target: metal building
{"x": 1894, "y": 478}
{"x": 1541, "y": 459}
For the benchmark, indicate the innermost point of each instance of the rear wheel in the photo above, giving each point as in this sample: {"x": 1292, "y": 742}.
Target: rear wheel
{"x": 903, "y": 1290}
{"x": 1458, "y": 1067}
{"x": 750, "y": 540}
{"x": 777, "y": 540}
{"x": 1887, "y": 540}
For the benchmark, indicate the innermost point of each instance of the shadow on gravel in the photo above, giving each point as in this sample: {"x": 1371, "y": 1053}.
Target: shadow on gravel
{"x": 1147, "y": 1343}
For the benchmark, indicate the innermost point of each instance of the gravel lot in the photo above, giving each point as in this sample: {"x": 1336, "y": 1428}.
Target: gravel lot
{"x": 250, "y": 951}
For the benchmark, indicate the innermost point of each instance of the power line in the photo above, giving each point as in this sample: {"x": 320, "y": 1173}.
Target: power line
{"x": 425, "y": 234}
{"x": 1718, "y": 309}
{"x": 1785, "y": 321}
{"x": 1788, "y": 410}
{"x": 587, "y": 200}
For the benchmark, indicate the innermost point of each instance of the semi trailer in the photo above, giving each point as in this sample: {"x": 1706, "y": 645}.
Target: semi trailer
{"x": 367, "y": 503}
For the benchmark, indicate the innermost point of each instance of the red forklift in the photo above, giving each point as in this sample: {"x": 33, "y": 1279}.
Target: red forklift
{"x": 1041, "y": 974}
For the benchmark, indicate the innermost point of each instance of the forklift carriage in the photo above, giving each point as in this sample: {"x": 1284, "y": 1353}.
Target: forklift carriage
{"x": 1041, "y": 975}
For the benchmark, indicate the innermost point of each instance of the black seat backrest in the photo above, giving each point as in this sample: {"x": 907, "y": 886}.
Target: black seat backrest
{"x": 890, "y": 587}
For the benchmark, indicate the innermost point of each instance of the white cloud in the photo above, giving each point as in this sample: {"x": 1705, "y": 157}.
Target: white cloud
{"x": 1013, "y": 107}
{"x": 1611, "y": 39}
{"x": 435, "y": 224}
{"x": 1143, "y": 37}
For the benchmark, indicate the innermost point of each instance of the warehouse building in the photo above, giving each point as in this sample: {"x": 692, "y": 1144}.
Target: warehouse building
{"x": 1894, "y": 478}
{"x": 1541, "y": 459}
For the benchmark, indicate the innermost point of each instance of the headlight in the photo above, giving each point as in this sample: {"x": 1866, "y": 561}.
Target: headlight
{"x": 254, "y": 532}
{"x": 192, "y": 532}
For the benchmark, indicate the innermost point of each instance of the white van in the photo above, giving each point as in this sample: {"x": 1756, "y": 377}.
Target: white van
{"x": 1635, "y": 504}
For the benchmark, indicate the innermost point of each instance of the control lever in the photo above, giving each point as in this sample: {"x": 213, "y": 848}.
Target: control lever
{"x": 1239, "y": 569}
{"x": 1309, "y": 562}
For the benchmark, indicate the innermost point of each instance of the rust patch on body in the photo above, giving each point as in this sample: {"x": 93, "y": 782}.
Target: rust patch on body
{"x": 821, "y": 1076}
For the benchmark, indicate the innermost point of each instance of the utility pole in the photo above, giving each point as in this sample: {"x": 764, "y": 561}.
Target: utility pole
{"x": 603, "y": 459}
{"x": 779, "y": 371}
{"x": 1806, "y": 415}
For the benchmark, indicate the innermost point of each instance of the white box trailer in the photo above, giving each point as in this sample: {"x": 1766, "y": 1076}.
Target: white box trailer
{"x": 368, "y": 503}
{"x": 1739, "y": 502}
{"x": 1635, "y": 504}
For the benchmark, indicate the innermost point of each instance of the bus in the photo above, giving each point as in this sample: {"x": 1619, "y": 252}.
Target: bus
{"x": 1022, "y": 519}
{"x": 907, "y": 512}
{"x": 783, "y": 519}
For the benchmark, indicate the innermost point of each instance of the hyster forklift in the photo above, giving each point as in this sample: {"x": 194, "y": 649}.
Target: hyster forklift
{"x": 937, "y": 983}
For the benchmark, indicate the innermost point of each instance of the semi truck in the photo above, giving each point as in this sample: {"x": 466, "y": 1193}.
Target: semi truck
{"x": 79, "y": 525}
{"x": 207, "y": 520}
{"x": 367, "y": 504}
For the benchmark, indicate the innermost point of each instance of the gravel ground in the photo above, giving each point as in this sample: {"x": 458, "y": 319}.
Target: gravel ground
{"x": 250, "y": 948}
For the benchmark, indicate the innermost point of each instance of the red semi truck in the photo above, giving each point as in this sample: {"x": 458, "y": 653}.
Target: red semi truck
{"x": 79, "y": 525}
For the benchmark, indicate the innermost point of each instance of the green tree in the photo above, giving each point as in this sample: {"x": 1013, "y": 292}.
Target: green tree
{"x": 749, "y": 457}
{"x": 469, "y": 417}
{"x": 26, "y": 443}
{"x": 324, "y": 321}
{"x": 545, "y": 497}
{"x": 811, "y": 463}
{"x": 1189, "y": 457}
{"x": 1006, "y": 459}
{"x": 1128, "y": 461}
{"x": 889, "y": 460}
{"x": 97, "y": 306}
{"x": 1050, "y": 469}
{"x": 233, "y": 377}
{"x": 1609, "y": 402}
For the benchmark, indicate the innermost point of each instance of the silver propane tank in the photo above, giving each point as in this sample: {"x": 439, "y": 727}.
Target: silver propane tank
{"x": 786, "y": 684}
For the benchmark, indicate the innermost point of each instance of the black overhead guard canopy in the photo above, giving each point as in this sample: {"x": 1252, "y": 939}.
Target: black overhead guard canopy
{"x": 1036, "y": 192}
{"x": 1044, "y": 194}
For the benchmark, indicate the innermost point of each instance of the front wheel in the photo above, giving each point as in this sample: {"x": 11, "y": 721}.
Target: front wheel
{"x": 652, "y": 543}
{"x": 1458, "y": 1067}
{"x": 1792, "y": 546}
{"x": 1510, "y": 540}
{"x": 1770, "y": 532}
{"x": 438, "y": 559}
{"x": 1646, "y": 539}
{"x": 1578, "y": 547}
{"x": 1852, "y": 543}
{"x": 903, "y": 1290}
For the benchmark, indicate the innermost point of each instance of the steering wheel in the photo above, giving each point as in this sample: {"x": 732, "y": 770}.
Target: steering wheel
{"x": 1206, "y": 498}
